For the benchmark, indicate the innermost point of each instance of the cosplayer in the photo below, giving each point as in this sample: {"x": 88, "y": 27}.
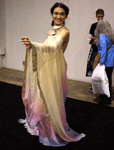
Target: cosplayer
{"x": 45, "y": 84}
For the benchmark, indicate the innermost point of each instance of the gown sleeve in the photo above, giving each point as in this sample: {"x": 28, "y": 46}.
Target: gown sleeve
{"x": 48, "y": 48}
{"x": 43, "y": 52}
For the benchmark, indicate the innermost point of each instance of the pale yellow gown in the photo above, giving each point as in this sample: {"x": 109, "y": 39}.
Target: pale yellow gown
{"x": 44, "y": 93}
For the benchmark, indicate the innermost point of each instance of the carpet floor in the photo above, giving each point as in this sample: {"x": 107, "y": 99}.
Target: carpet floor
{"x": 96, "y": 121}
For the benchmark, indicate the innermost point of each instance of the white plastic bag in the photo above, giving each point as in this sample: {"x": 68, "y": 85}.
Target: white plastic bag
{"x": 100, "y": 82}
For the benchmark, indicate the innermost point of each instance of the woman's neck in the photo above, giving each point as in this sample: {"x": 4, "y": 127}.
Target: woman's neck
{"x": 58, "y": 25}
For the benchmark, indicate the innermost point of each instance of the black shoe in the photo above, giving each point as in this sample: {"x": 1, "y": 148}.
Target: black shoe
{"x": 104, "y": 99}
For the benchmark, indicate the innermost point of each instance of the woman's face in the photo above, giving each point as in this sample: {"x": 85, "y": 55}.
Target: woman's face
{"x": 59, "y": 16}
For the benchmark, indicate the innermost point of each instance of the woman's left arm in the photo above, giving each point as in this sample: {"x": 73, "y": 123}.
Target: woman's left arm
{"x": 65, "y": 35}
{"x": 102, "y": 49}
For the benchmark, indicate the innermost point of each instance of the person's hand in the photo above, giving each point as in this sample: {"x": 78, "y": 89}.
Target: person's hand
{"x": 92, "y": 41}
{"x": 90, "y": 38}
{"x": 26, "y": 42}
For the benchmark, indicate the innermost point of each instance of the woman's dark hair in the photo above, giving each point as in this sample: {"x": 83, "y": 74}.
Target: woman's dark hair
{"x": 61, "y": 5}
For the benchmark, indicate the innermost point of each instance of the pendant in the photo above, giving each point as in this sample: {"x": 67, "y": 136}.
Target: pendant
{"x": 52, "y": 32}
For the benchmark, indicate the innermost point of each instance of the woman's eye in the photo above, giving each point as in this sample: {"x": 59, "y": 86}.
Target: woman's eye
{"x": 56, "y": 13}
{"x": 62, "y": 14}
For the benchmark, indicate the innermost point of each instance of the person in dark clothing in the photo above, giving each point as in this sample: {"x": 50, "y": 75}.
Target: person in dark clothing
{"x": 93, "y": 50}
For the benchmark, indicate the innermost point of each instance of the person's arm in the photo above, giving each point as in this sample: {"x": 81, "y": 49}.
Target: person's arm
{"x": 92, "y": 40}
{"x": 90, "y": 36}
{"x": 102, "y": 49}
{"x": 91, "y": 32}
{"x": 44, "y": 47}
{"x": 62, "y": 36}
{"x": 65, "y": 35}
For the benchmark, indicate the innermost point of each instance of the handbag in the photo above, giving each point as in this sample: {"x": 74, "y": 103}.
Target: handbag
{"x": 96, "y": 60}
{"x": 100, "y": 84}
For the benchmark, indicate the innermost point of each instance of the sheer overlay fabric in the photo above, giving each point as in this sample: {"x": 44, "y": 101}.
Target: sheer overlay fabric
{"x": 44, "y": 92}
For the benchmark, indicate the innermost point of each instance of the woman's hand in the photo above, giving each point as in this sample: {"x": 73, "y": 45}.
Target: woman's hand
{"x": 26, "y": 42}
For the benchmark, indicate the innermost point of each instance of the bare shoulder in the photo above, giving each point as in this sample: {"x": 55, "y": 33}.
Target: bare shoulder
{"x": 64, "y": 32}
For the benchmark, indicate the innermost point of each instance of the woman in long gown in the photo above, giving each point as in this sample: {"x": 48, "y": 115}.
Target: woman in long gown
{"x": 45, "y": 84}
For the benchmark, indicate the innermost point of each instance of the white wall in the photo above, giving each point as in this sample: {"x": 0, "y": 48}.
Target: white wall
{"x": 32, "y": 18}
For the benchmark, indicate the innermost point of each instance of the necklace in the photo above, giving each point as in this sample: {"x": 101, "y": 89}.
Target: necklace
{"x": 54, "y": 29}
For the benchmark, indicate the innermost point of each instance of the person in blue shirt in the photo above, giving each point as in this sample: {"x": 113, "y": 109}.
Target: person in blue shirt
{"x": 105, "y": 43}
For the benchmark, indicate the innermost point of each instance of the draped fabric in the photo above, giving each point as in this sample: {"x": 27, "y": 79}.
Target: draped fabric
{"x": 44, "y": 92}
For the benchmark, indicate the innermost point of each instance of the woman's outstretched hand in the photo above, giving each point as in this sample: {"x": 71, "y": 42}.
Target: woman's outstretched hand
{"x": 26, "y": 42}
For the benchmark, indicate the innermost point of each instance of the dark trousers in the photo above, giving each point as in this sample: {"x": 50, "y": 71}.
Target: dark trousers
{"x": 109, "y": 71}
